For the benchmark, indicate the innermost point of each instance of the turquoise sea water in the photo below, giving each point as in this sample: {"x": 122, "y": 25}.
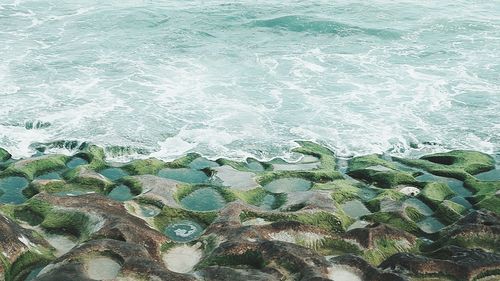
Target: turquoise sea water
{"x": 246, "y": 78}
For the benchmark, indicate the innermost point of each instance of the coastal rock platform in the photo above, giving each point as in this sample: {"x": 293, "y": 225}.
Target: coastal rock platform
{"x": 374, "y": 217}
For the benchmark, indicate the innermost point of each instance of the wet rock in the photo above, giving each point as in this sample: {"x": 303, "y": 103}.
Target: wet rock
{"x": 434, "y": 193}
{"x": 4, "y": 155}
{"x": 308, "y": 200}
{"x": 156, "y": 189}
{"x": 379, "y": 241}
{"x": 367, "y": 271}
{"x": 459, "y": 263}
{"x": 241, "y": 231}
{"x": 478, "y": 229}
{"x": 94, "y": 215}
{"x": 236, "y": 179}
{"x": 459, "y": 164}
{"x": 382, "y": 173}
{"x": 332, "y": 221}
{"x": 83, "y": 175}
{"x": 224, "y": 273}
{"x": 368, "y": 236}
{"x": 287, "y": 258}
{"x": 32, "y": 167}
{"x": 449, "y": 211}
{"x": 375, "y": 204}
{"x": 325, "y": 155}
{"x": 488, "y": 197}
{"x": 133, "y": 259}
{"x": 396, "y": 216}
{"x": 21, "y": 250}
{"x": 183, "y": 162}
{"x": 38, "y": 186}
{"x": 95, "y": 157}
{"x": 319, "y": 176}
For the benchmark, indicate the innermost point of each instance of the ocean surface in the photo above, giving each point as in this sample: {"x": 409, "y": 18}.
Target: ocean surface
{"x": 247, "y": 78}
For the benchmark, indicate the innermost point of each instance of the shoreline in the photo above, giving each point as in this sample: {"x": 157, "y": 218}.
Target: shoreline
{"x": 123, "y": 154}
{"x": 321, "y": 216}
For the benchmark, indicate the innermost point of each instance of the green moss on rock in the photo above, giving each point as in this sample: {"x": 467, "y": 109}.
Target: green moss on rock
{"x": 169, "y": 215}
{"x": 342, "y": 190}
{"x": 363, "y": 162}
{"x": 338, "y": 246}
{"x": 85, "y": 176}
{"x": 243, "y": 166}
{"x": 487, "y": 241}
{"x": 449, "y": 211}
{"x": 133, "y": 184}
{"x": 253, "y": 196}
{"x": 457, "y": 164}
{"x": 250, "y": 258}
{"x": 414, "y": 214}
{"x": 184, "y": 190}
{"x": 490, "y": 202}
{"x": 336, "y": 222}
{"x": 380, "y": 172}
{"x": 32, "y": 167}
{"x": 57, "y": 219}
{"x": 144, "y": 166}
{"x": 38, "y": 186}
{"x": 66, "y": 221}
{"x": 95, "y": 156}
{"x": 325, "y": 155}
{"x": 182, "y": 162}
{"x": 393, "y": 195}
{"x": 395, "y": 219}
{"x": 384, "y": 248}
{"x": 4, "y": 155}
{"x": 23, "y": 265}
{"x": 481, "y": 187}
{"x": 435, "y": 192}
{"x": 320, "y": 176}
{"x": 384, "y": 179}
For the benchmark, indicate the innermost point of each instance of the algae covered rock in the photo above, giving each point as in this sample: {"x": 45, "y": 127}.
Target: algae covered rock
{"x": 288, "y": 258}
{"x": 489, "y": 201}
{"x": 253, "y": 220}
{"x": 224, "y": 273}
{"x": 108, "y": 259}
{"x": 144, "y": 166}
{"x": 158, "y": 190}
{"x": 379, "y": 241}
{"x": 456, "y": 164}
{"x": 21, "y": 250}
{"x": 4, "y": 155}
{"x": 449, "y": 211}
{"x": 435, "y": 192}
{"x": 325, "y": 155}
{"x": 478, "y": 229}
{"x": 451, "y": 261}
{"x": 85, "y": 176}
{"x": 382, "y": 173}
{"x": 32, "y": 167}
{"x": 358, "y": 268}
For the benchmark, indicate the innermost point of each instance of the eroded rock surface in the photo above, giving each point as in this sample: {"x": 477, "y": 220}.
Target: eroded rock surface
{"x": 369, "y": 218}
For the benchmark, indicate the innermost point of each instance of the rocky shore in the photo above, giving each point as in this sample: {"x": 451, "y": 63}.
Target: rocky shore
{"x": 373, "y": 218}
